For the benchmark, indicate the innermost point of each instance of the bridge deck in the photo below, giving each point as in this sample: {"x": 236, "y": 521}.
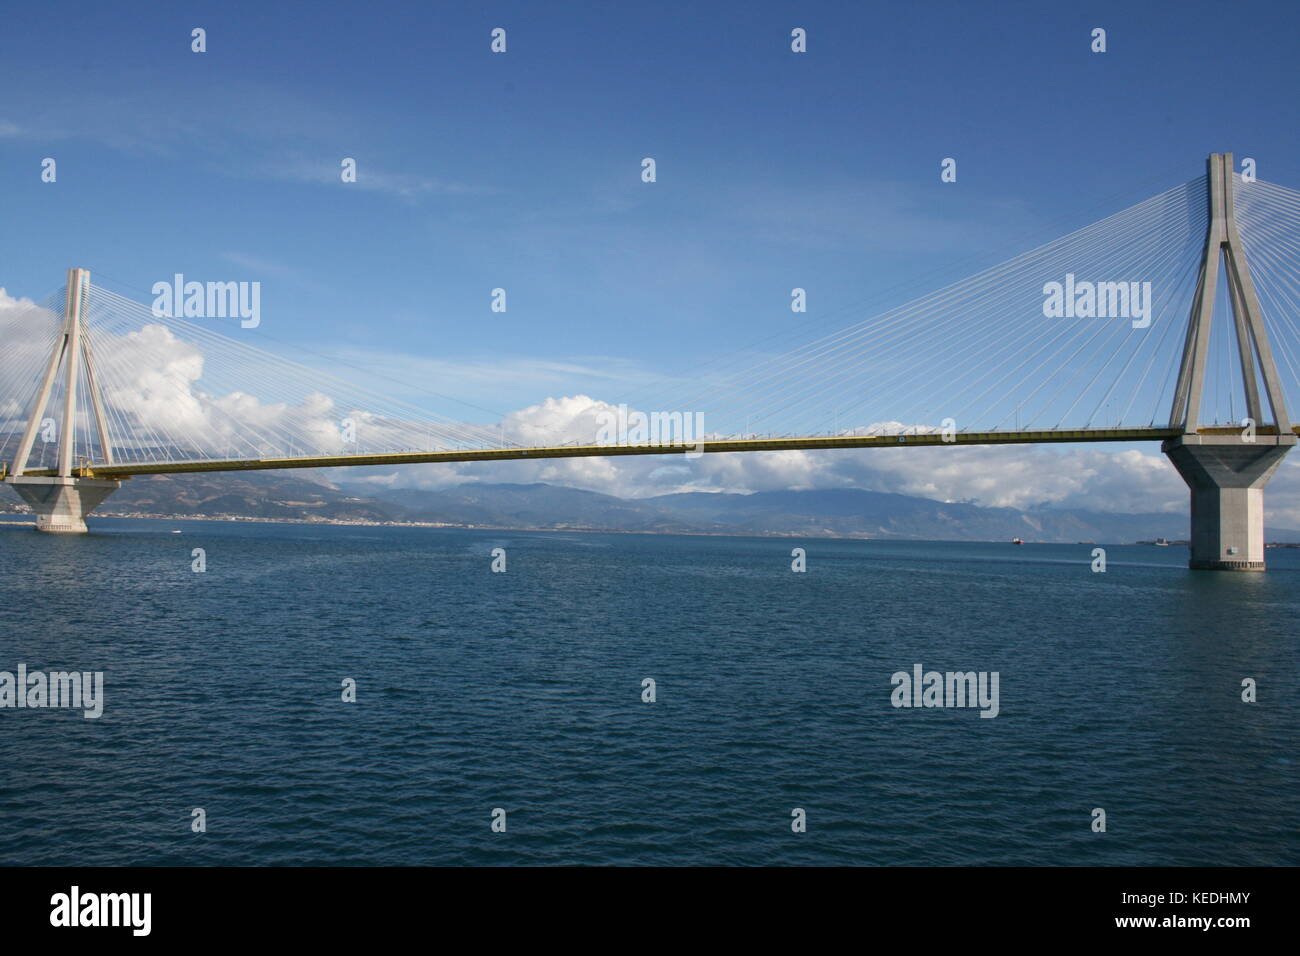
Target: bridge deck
{"x": 128, "y": 469}
{"x": 1049, "y": 436}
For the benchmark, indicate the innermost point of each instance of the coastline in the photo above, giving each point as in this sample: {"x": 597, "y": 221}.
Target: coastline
{"x": 21, "y": 518}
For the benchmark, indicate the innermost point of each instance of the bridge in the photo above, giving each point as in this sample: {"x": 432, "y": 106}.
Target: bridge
{"x": 1107, "y": 334}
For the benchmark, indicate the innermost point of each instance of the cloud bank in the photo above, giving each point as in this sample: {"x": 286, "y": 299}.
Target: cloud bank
{"x": 159, "y": 384}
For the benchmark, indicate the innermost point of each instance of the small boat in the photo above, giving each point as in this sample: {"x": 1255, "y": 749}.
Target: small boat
{"x": 1161, "y": 543}
{"x": 1017, "y": 540}
{"x": 175, "y": 532}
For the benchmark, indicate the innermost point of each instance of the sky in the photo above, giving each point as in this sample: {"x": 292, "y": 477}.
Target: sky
{"x": 522, "y": 171}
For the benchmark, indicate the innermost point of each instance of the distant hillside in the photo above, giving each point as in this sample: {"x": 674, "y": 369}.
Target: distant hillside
{"x": 248, "y": 495}
{"x": 841, "y": 512}
{"x": 846, "y": 512}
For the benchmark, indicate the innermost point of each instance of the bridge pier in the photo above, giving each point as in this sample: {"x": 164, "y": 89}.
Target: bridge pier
{"x": 61, "y": 504}
{"x": 1227, "y": 475}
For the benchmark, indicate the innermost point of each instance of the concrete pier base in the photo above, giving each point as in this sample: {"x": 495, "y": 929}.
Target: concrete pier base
{"x": 1227, "y": 475}
{"x": 61, "y": 504}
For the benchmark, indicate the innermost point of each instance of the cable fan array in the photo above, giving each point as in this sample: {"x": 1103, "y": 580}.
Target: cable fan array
{"x": 1268, "y": 217}
{"x": 28, "y": 333}
{"x": 993, "y": 352}
{"x": 984, "y": 353}
{"x": 175, "y": 390}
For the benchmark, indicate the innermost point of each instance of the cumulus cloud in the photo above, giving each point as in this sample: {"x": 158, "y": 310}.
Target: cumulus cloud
{"x": 151, "y": 383}
{"x": 26, "y": 331}
{"x": 1093, "y": 477}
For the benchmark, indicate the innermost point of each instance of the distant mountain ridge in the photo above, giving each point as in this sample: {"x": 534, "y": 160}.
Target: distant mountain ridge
{"x": 838, "y": 512}
{"x": 835, "y": 512}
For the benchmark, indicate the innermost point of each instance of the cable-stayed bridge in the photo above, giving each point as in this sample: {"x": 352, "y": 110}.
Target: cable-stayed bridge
{"x": 1175, "y": 320}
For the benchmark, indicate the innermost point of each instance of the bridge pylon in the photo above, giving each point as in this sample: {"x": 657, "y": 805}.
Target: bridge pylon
{"x": 1227, "y": 472}
{"x": 62, "y": 500}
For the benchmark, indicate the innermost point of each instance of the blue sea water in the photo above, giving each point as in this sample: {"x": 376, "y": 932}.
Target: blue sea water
{"x": 478, "y": 690}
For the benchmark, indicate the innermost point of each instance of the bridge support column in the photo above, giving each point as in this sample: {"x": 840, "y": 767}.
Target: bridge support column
{"x": 61, "y": 504}
{"x": 1227, "y": 475}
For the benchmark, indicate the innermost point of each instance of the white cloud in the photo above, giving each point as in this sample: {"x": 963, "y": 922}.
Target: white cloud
{"x": 26, "y": 329}
{"x": 150, "y": 382}
{"x": 370, "y": 176}
{"x": 1092, "y": 477}
{"x": 276, "y": 270}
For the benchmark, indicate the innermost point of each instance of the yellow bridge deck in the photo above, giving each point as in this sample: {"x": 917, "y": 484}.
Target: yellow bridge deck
{"x": 1049, "y": 436}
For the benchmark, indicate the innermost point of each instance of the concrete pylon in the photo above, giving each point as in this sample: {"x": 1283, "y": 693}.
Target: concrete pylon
{"x": 61, "y": 504}
{"x": 1227, "y": 470}
{"x": 1227, "y": 477}
{"x": 61, "y": 501}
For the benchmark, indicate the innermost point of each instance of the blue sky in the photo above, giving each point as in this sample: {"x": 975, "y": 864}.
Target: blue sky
{"x": 522, "y": 170}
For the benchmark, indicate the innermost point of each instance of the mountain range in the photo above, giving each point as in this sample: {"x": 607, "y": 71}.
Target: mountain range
{"x": 838, "y": 512}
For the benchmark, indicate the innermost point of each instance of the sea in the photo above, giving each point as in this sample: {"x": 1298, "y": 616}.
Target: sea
{"x": 285, "y": 694}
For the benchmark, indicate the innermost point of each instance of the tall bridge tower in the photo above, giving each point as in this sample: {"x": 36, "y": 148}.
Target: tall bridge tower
{"x": 61, "y": 501}
{"x": 1227, "y": 469}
